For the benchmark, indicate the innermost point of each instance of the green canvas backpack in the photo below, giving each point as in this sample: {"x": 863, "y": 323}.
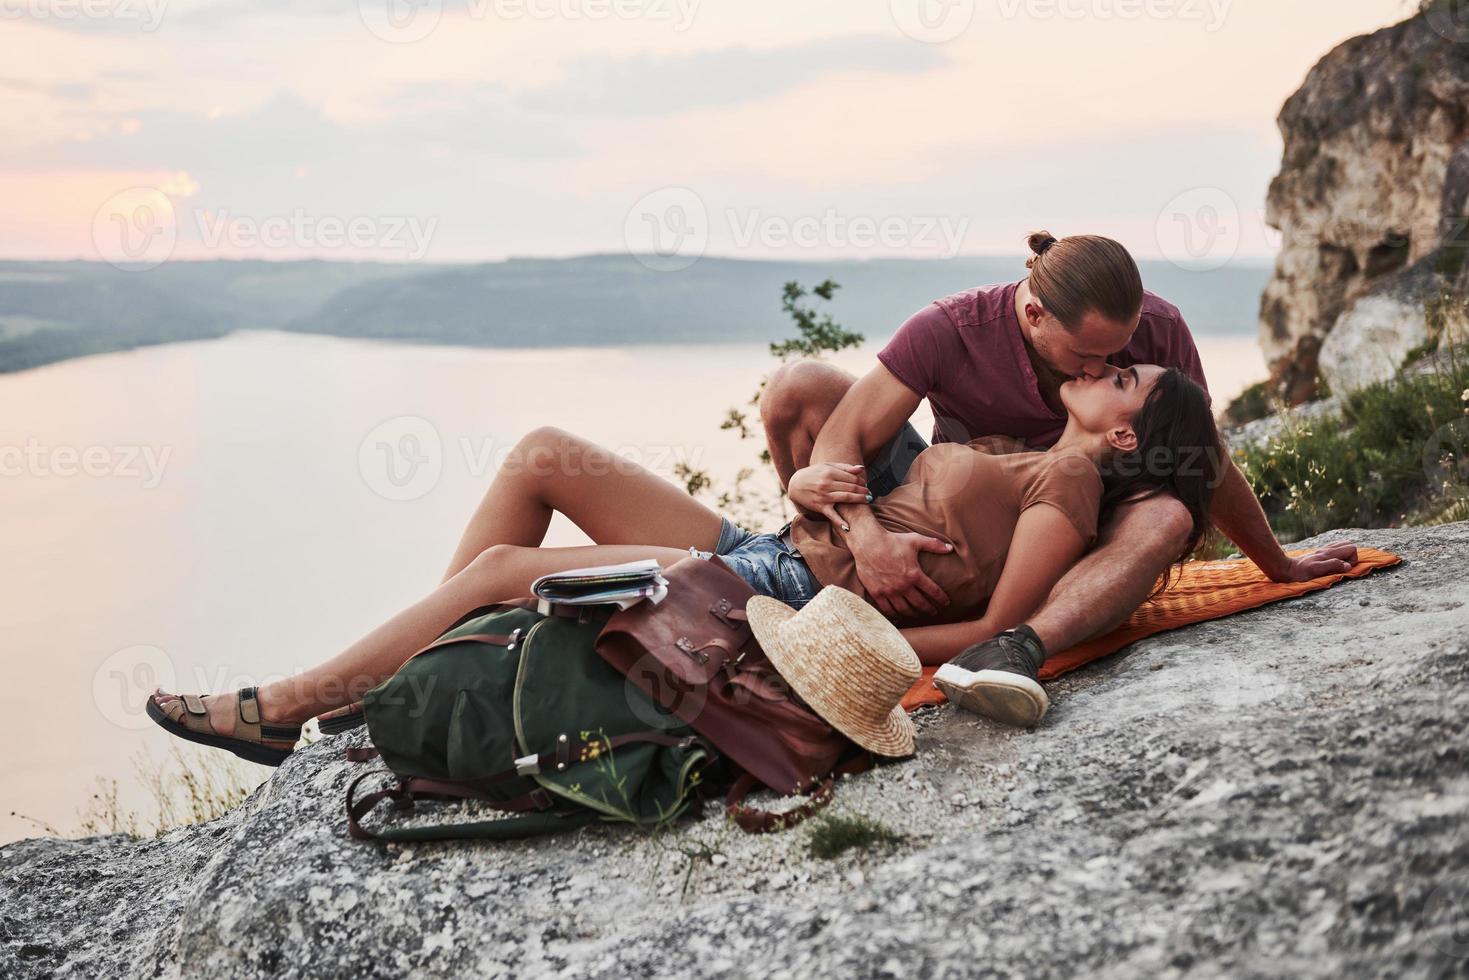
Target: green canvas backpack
{"x": 513, "y": 707}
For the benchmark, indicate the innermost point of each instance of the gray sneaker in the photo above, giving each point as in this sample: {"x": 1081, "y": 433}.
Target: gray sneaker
{"x": 998, "y": 678}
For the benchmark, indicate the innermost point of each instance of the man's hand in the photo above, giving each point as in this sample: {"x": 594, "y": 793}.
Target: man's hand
{"x": 818, "y": 488}
{"x": 887, "y": 566}
{"x": 1331, "y": 560}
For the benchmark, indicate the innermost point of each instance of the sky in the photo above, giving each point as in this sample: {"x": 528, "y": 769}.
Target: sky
{"x": 141, "y": 131}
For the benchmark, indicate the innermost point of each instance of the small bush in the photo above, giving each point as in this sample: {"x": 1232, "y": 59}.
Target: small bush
{"x": 1395, "y": 453}
{"x": 834, "y": 836}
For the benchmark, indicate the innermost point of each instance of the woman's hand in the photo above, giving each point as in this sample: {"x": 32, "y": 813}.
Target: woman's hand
{"x": 818, "y": 488}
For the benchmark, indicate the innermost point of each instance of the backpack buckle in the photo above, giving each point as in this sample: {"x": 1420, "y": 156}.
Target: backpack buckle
{"x": 514, "y": 638}
{"x": 687, "y": 646}
{"x": 528, "y": 765}
{"x": 721, "y": 610}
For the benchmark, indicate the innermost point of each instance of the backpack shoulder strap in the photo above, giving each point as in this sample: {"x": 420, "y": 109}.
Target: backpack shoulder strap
{"x": 755, "y": 821}
{"x": 407, "y": 790}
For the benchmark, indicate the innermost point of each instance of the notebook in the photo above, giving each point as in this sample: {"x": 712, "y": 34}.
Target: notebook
{"x": 619, "y": 585}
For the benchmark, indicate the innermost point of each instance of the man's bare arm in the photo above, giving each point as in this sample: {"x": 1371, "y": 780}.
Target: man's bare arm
{"x": 864, "y": 421}
{"x": 1237, "y": 512}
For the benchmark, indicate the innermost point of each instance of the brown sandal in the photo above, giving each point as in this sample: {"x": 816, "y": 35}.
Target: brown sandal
{"x": 186, "y": 717}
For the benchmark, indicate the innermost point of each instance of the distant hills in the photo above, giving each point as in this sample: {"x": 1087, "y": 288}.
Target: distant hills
{"x": 51, "y": 311}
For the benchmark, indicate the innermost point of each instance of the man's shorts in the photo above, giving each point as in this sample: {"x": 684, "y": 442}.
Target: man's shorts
{"x": 886, "y": 473}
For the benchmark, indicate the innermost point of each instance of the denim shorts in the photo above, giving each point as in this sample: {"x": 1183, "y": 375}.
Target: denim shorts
{"x": 890, "y": 467}
{"x": 768, "y": 564}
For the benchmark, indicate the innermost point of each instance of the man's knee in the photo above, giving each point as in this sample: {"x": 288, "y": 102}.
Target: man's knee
{"x": 798, "y": 393}
{"x": 1159, "y": 525}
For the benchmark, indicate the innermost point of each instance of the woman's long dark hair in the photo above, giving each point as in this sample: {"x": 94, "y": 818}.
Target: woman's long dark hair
{"x": 1179, "y": 452}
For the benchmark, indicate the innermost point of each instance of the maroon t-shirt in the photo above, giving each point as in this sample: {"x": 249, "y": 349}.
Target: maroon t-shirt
{"x": 966, "y": 355}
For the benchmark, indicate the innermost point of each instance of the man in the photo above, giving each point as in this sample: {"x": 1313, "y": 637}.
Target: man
{"x": 991, "y": 361}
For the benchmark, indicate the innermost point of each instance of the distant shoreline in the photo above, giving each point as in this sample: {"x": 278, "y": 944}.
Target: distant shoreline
{"x": 58, "y": 311}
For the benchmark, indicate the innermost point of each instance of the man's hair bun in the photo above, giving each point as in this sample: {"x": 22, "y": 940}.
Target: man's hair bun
{"x": 1039, "y": 242}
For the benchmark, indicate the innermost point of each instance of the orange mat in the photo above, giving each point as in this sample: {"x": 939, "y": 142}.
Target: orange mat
{"x": 1200, "y": 591}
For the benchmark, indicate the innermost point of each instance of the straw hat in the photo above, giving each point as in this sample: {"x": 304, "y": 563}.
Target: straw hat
{"x": 846, "y": 661}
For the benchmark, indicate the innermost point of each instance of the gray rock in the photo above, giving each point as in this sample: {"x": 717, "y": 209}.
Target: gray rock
{"x": 1369, "y": 202}
{"x": 1281, "y": 792}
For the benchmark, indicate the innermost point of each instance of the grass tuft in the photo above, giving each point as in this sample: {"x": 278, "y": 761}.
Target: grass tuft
{"x": 834, "y": 836}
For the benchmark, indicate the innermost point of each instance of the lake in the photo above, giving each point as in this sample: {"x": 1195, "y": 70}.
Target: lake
{"x": 213, "y": 514}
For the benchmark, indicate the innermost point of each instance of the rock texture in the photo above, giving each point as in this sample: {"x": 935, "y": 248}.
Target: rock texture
{"x": 1280, "y": 793}
{"x": 1370, "y": 202}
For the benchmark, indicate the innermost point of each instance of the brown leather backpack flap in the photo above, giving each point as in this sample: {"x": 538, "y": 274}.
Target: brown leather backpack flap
{"x": 696, "y": 630}
{"x": 694, "y": 654}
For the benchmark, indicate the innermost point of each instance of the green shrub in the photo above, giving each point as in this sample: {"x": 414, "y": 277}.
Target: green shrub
{"x": 1393, "y": 455}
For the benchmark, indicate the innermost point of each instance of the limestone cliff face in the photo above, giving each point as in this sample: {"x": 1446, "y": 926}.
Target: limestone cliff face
{"x": 1369, "y": 201}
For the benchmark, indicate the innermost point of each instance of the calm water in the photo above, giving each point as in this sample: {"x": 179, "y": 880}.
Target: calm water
{"x": 208, "y": 515}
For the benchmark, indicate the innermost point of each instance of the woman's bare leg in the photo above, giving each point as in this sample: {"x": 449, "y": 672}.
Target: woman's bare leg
{"x": 613, "y": 499}
{"x": 494, "y": 575}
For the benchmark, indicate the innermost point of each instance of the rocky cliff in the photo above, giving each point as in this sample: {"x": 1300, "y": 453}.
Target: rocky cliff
{"x": 1281, "y": 792}
{"x": 1370, "y": 203}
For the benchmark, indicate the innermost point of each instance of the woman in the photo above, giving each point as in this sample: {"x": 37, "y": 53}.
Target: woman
{"x": 1014, "y": 525}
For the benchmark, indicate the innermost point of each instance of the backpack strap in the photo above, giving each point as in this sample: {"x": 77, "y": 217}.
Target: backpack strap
{"x": 755, "y": 821}
{"x": 567, "y": 752}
